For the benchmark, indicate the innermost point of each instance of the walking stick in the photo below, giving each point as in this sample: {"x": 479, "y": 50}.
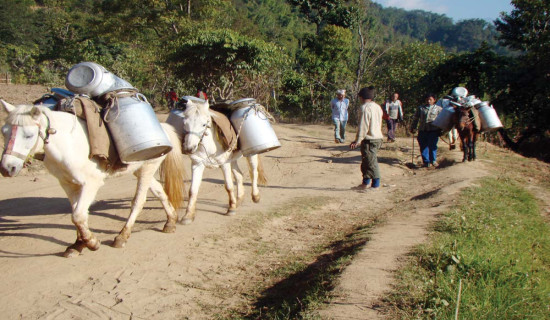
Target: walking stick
{"x": 412, "y": 156}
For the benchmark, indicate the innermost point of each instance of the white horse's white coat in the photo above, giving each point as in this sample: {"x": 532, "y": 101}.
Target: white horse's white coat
{"x": 206, "y": 151}
{"x": 66, "y": 158}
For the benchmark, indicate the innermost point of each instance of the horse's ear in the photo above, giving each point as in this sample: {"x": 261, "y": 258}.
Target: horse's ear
{"x": 205, "y": 106}
{"x": 36, "y": 112}
{"x": 7, "y": 106}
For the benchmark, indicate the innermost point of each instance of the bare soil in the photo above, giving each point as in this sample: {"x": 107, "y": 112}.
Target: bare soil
{"x": 218, "y": 262}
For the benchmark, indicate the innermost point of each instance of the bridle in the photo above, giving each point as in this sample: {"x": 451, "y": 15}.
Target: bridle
{"x": 42, "y": 134}
{"x": 199, "y": 134}
{"x": 466, "y": 119}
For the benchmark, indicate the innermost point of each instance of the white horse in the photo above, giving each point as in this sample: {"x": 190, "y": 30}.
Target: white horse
{"x": 63, "y": 139}
{"x": 200, "y": 142}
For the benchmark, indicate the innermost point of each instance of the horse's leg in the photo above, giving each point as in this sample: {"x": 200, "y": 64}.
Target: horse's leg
{"x": 230, "y": 188}
{"x": 144, "y": 176}
{"x": 238, "y": 174}
{"x": 471, "y": 147}
{"x": 171, "y": 214}
{"x": 253, "y": 166}
{"x": 474, "y": 146}
{"x": 71, "y": 190}
{"x": 87, "y": 194}
{"x": 196, "y": 180}
{"x": 464, "y": 145}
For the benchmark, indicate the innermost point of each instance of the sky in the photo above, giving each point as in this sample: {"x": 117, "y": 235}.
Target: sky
{"x": 455, "y": 9}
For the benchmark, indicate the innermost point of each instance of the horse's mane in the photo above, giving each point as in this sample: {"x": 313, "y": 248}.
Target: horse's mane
{"x": 21, "y": 116}
{"x": 192, "y": 109}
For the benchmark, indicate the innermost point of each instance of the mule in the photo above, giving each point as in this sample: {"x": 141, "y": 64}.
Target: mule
{"x": 200, "y": 143}
{"x": 63, "y": 138}
{"x": 464, "y": 124}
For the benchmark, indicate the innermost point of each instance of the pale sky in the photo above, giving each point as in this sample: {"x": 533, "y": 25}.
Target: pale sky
{"x": 456, "y": 9}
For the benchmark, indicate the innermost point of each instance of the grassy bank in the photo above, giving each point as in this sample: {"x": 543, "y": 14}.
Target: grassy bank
{"x": 489, "y": 258}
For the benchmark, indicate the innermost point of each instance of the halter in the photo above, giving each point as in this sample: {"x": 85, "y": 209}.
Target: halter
{"x": 45, "y": 136}
{"x": 468, "y": 119}
{"x": 200, "y": 134}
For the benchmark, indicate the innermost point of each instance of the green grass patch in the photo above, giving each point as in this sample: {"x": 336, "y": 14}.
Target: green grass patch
{"x": 305, "y": 281}
{"x": 493, "y": 249}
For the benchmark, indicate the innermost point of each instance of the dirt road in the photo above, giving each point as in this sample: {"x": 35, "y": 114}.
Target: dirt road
{"x": 207, "y": 267}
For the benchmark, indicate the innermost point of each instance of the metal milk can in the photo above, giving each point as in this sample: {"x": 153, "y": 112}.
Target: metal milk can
{"x": 93, "y": 80}
{"x": 252, "y": 125}
{"x": 444, "y": 119}
{"x": 135, "y": 129}
{"x": 488, "y": 116}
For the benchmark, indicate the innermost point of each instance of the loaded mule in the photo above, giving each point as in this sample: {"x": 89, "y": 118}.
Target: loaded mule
{"x": 64, "y": 140}
{"x": 201, "y": 142}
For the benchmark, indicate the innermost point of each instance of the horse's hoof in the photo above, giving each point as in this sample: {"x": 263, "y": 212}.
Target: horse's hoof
{"x": 256, "y": 198}
{"x": 119, "y": 242}
{"x": 71, "y": 253}
{"x": 93, "y": 244}
{"x": 169, "y": 228}
{"x": 186, "y": 221}
{"x": 231, "y": 212}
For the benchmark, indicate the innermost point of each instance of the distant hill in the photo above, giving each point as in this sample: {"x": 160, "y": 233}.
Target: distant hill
{"x": 466, "y": 35}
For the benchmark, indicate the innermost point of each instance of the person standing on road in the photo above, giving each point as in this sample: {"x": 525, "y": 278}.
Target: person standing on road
{"x": 370, "y": 137}
{"x": 339, "y": 106}
{"x": 172, "y": 98}
{"x": 394, "y": 110}
{"x": 428, "y": 134}
{"x": 201, "y": 93}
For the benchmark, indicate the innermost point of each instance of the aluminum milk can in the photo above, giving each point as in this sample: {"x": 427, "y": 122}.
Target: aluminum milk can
{"x": 256, "y": 134}
{"x": 135, "y": 129}
{"x": 488, "y": 116}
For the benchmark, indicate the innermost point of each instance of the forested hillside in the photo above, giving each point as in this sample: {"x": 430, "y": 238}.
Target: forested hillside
{"x": 292, "y": 55}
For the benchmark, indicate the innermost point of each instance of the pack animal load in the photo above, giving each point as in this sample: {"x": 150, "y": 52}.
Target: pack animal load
{"x": 251, "y": 121}
{"x": 489, "y": 118}
{"x": 132, "y": 123}
{"x": 444, "y": 119}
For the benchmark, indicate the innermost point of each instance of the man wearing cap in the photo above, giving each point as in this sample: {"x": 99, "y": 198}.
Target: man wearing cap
{"x": 339, "y": 107}
{"x": 369, "y": 135}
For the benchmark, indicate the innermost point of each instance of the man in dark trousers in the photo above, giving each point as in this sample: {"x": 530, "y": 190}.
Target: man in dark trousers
{"x": 370, "y": 137}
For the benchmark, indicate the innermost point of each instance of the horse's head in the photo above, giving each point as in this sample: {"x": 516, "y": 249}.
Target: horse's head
{"x": 196, "y": 124}
{"x": 22, "y": 131}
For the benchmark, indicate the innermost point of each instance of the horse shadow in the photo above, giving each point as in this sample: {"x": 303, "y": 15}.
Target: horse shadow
{"x": 31, "y": 206}
{"x": 12, "y": 209}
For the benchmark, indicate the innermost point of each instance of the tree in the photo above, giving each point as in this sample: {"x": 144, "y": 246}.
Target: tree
{"x": 401, "y": 70}
{"x": 527, "y": 29}
{"x": 326, "y": 12}
{"x": 222, "y": 59}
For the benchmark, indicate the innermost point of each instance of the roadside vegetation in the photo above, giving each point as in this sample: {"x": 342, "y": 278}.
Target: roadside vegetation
{"x": 488, "y": 257}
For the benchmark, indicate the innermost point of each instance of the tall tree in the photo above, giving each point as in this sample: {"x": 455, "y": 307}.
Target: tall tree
{"x": 527, "y": 29}
{"x": 325, "y": 12}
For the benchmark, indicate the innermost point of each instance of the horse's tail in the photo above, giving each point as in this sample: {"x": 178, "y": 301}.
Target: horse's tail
{"x": 172, "y": 170}
{"x": 262, "y": 179}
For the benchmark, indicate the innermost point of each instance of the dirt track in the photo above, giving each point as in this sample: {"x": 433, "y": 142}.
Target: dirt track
{"x": 209, "y": 266}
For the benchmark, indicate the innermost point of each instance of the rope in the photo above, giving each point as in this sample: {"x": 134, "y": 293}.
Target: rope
{"x": 111, "y": 100}
{"x": 229, "y": 150}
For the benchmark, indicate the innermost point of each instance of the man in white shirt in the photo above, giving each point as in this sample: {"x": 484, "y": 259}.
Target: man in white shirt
{"x": 394, "y": 110}
{"x": 369, "y": 135}
{"x": 339, "y": 106}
